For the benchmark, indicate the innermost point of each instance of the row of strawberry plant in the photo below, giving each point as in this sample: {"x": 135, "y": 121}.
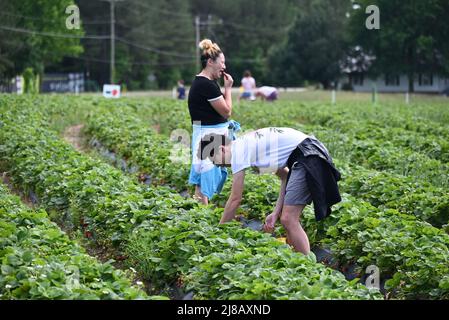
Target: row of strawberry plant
{"x": 382, "y": 190}
{"x": 433, "y": 146}
{"x": 386, "y": 223}
{"x": 172, "y": 115}
{"x": 367, "y": 122}
{"x": 376, "y": 146}
{"x": 133, "y": 140}
{"x": 114, "y": 208}
{"x": 386, "y": 190}
{"x": 383, "y": 156}
{"x": 38, "y": 261}
{"x": 411, "y": 253}
{"x": 128, "y": 136}
{"x": 408, "y": 120}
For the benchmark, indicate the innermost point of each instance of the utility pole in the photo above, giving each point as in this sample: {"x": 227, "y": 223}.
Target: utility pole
{"x": 112, "y": 15}
{"x": 197, "y": 33}
{"x": 198, "y": 25}
{"x": 209, "y": 23}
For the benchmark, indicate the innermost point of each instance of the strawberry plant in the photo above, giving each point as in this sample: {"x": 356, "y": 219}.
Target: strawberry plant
{"x": 38, "y": 261}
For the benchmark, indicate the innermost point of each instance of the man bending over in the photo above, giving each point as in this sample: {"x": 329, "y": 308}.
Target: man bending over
{"x": 302, "y": 163}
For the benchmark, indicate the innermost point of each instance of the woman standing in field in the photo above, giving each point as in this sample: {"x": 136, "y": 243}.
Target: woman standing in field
{"x": 248, "y": 85}
{"x": 210, "y": 111}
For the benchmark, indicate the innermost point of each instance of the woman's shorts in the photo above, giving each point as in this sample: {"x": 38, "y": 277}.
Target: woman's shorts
{"x": 297, "y": 191}
{"x": 245, "y": 95}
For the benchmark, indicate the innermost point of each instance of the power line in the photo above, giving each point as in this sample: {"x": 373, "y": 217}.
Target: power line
{"x": 134, "y": 63}
{"x": 69, "y": 36}
{"x": 94, "y": 22}
{"x": 52, "y": 34}
{"x": 259, "y": 31}
{"x": 166, "y": 12}
{"x": 154, "y": 37}
{"x": 146, "y": 48}
{"x": 136, "y": 11}
{"x": 3, "y": 13}
{"x": 250, "y": 60}
{"x": 155, "y": 50}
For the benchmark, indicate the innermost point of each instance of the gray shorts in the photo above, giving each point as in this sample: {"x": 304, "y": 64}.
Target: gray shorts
{"x": 297, "y": 191}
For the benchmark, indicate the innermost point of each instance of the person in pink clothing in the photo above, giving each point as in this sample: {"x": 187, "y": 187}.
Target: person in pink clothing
{"x": 248, "y": 85}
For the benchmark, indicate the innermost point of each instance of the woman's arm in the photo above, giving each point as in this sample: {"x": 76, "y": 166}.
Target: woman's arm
{"x": 224, "y": 105}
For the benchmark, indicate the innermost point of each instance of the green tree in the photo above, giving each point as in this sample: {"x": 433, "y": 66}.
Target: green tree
{"x": 152, "y": 39}
{"x": 413, "y": 37}
{"x": 157, "y": 38}
{"x": 27, "y": 35}
{"x": 316, "y": 44}
{"x": 248, "y": 32}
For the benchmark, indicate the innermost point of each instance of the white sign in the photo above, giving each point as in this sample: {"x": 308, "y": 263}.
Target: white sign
{"x": 111, "y": 91}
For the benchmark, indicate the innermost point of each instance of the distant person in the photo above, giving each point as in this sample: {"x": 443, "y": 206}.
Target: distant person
{"x": 248, "y": 86}
{"x": 181, "y": 90}
{"x": 267, "y": 93}
{"x": 210, "y": 111}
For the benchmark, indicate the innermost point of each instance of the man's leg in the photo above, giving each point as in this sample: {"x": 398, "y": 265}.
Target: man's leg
{"x": 295, "y": 233}
{"x": 199, "y": 196}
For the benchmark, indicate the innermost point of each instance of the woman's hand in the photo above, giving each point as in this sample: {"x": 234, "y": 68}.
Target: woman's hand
{"x": 228, "y": 81}
{"x": 270, "y": 221}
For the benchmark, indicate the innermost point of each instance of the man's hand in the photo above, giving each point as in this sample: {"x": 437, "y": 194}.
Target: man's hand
{"x": 270, "y": 221}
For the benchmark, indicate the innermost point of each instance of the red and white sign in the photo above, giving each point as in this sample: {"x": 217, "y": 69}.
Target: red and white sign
{"x": 111, "y": 91}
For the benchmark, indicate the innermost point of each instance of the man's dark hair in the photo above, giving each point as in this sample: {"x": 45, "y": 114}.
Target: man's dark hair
{"x": 210, "y": 143}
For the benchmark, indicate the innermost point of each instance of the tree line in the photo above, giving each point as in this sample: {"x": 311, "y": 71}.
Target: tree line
{"x": 282, "y": 42}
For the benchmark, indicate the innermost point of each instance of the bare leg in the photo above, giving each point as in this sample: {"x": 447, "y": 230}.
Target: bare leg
{"x": 296, "y": 235}
{"x": 199, "y": 196}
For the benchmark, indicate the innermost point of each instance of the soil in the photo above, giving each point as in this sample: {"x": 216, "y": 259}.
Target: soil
{"x": 157, "y": 128}
{"x": 6, "y": 179}
{"x": 74, "y": 136}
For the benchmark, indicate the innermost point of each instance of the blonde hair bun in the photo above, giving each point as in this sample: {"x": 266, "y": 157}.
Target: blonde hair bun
{"x": 209, "y": 48}
{"x": 206, "y": 44}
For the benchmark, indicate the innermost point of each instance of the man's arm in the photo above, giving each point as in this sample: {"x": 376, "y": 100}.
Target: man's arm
{"x": 282, "y": 174}
{"x": 274, "y": 216}
{"x": 235, "y": 198}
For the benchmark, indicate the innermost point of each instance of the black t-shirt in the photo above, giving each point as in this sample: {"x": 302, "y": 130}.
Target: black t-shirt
{"x": 202, "y": 92}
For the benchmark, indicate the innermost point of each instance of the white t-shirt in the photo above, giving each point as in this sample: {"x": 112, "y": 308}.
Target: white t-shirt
{"x": 266, "y": 91}
{"x": 267, "y": 149}
{"x": 248, "y": 84}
